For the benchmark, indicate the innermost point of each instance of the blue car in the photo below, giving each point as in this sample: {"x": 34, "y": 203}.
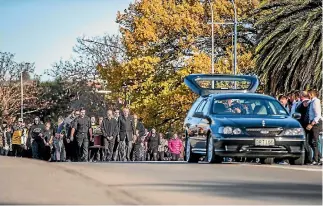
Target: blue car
{"x": 230, "y": 120}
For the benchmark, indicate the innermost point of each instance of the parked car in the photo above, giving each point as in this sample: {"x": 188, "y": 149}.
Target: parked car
{"x": 230, "y": 120}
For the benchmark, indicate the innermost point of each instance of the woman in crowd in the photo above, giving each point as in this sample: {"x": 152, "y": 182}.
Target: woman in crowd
{"x": 7, "y": 134}
{"x": 153, "y": 143}
{"x": 139, "y": 147}
{"x": 162, "y": 147}
{"x": 175, "y": 146}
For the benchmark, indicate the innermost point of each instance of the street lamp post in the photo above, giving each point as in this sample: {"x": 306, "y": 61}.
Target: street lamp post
{"x": 235, "y": 38}
{"x": 22, "y": 89}
{"x": 212, "y": 16}
{"x": 125, "y": 86}
{"x": 235, "y": 23}
{"x": 212, "y": 58}
{"x": 22, "y": 94}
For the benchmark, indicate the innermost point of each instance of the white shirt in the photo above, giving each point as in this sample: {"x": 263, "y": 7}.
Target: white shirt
{"x": 287, "y": 108}
{"x": 315, "y": 113}
{"x": 294, "y": 106}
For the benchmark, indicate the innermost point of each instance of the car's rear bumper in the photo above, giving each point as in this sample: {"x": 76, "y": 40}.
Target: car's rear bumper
{"x": 291, "y": 147}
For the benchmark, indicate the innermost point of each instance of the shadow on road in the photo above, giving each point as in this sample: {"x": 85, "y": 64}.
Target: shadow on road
{"x": 310, "y": 193}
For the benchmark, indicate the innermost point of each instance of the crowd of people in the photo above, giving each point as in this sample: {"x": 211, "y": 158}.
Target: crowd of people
{"x": 122, "y": 137}
{"x": 117, "y": 137}
{"x": 309, "y": 106}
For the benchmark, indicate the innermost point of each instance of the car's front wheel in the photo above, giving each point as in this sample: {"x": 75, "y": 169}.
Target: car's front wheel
{"x": 210, "y": 156}
{"x": 189, "y": 155}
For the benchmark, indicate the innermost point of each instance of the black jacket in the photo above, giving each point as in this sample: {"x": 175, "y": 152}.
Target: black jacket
{"x": 82, "y": 125}
{"x": 110, "y": 127}
{"x": 35, "y": 130}
{"x": 153, "y": 141}
{"x": 126, "y": 128}
{"x": 139, "y": 127}
{"x": 302, "y": 110}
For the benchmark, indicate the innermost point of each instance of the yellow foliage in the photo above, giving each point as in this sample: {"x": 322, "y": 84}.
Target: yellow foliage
{"x": 158, "y": 35}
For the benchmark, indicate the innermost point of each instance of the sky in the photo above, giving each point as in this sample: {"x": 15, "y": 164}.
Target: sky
{"x": 45, "y": 31}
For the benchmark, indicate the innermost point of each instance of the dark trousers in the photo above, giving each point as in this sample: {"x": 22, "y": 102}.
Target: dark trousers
{"x": 95, "y": 154}
{"x": 115, "y": 150}
{"x": 108, "y": 149}
{"x": 308, "y": 149}
{"x": 37, "y": 147}
{"x": 314, "y": 134}
{"x": 175, "y": 157}
{"x": 129, "y": 150}
{"x": 16, "y": 150}
{"x": 68, "y": 149}
{"x": 82, "y": 140}
{"x": 47, "y": 153}
{"x": 121, "y": 152}
{"x": 71, "y": 150}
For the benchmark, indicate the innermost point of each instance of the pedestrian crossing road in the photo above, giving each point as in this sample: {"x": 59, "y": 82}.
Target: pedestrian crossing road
{"x": 39, "y": 182}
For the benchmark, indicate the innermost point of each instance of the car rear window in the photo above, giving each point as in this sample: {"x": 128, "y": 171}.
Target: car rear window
{"x": 247, "y": 106}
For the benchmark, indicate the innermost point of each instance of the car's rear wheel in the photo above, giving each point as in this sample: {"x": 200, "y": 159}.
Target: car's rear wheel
{"x": 267, "y": 161}
{"x": 210, "y": 156}
{"x": 189, "y": 155}
{"x": 298, "y": 161}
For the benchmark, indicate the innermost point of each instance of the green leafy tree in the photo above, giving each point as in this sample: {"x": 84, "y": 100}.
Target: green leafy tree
{"x": 289, "y": 53}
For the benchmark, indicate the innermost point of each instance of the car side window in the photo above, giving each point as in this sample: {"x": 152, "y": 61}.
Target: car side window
{"x": 201, "y": 106}
{"x": 193, "y": 108}
{"x": 206, "y": 107}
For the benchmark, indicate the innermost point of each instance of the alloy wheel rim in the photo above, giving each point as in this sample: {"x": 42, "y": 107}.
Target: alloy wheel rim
{"x": 209, "y": 151}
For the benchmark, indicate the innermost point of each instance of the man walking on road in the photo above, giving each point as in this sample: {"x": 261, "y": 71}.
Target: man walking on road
{"x": 126, "y": 135}
{"x": 70, "y": 145}
{"x": 36, "y": 134}
{"x": 82, "y": 129}
{"x": 110, "y": 132}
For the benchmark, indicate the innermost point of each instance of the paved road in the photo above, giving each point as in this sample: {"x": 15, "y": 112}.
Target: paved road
{"x": 26, "y": 181}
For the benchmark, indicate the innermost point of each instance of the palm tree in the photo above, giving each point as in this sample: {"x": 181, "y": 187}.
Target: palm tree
{"x": 289, "y": 50}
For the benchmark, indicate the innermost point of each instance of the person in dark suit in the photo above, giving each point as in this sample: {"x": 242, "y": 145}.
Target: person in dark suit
{"x": 82, "y": 129}
{"x": 303, "y": 110}
{"x": 126, "y": 131}
{"x": 110, "y": 130}
{"x": 153, "y": 142}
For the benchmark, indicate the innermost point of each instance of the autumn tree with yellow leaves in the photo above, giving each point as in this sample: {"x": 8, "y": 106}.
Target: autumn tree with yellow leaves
{"x": 166, "y": 40}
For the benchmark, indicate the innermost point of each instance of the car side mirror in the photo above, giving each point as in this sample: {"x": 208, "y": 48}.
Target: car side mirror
{"x": 202, "y": 116}
{"x": 297, "y": 116}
